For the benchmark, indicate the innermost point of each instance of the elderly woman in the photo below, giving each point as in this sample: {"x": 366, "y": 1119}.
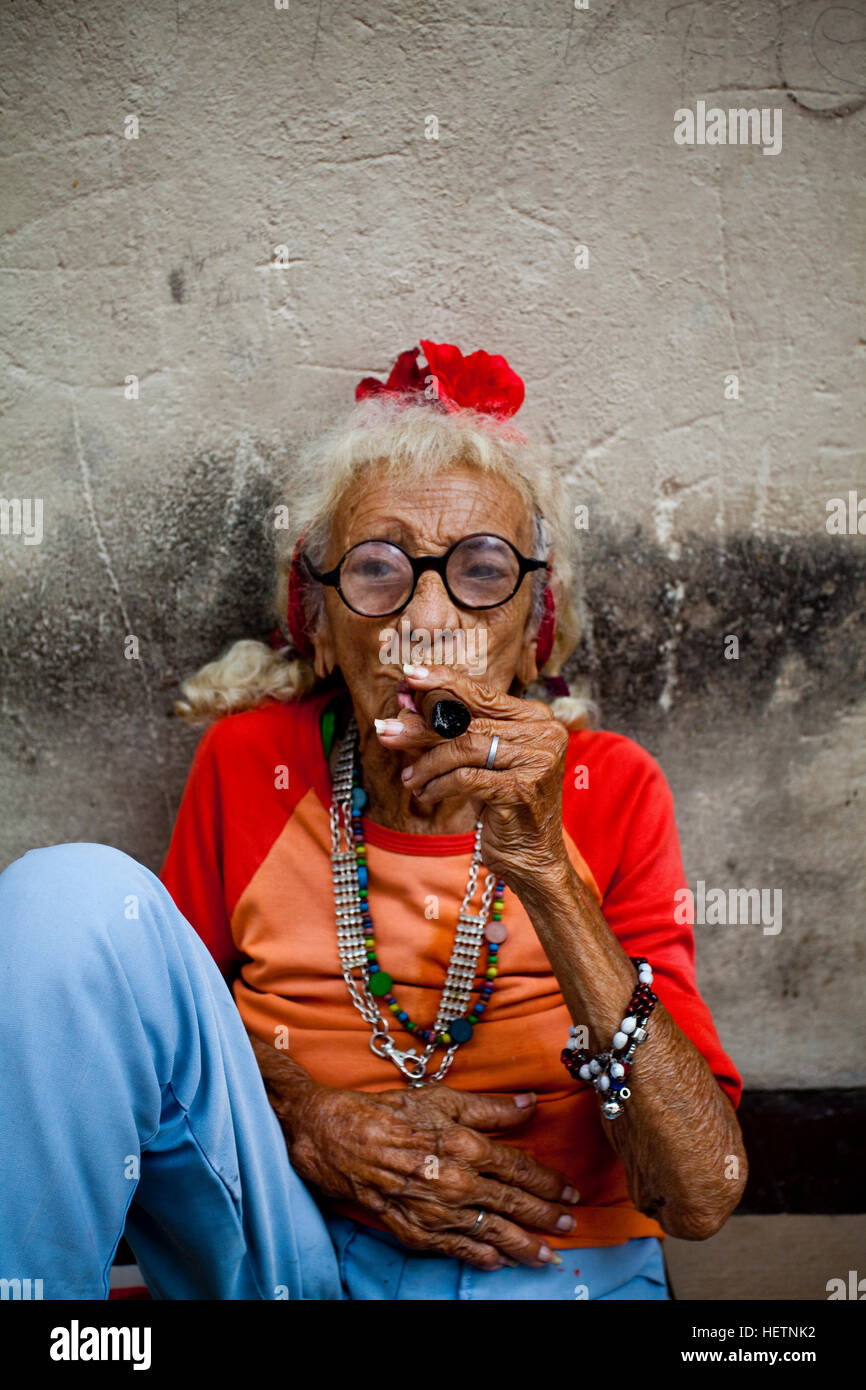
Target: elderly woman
{"x": 446, "y": 908}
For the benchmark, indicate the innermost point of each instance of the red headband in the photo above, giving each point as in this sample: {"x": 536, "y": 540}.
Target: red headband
{"x": 481, "y": 382}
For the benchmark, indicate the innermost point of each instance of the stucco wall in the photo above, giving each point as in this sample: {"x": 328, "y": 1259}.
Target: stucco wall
{"x": 309, "y": 128}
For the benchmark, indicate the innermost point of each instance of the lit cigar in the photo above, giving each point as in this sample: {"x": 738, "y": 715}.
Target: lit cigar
{"x": 446, "y": 716}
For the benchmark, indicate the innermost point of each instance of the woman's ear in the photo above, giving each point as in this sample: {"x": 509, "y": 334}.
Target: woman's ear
{"x": 324, "y": 657}
{"x": 527, "y": 671}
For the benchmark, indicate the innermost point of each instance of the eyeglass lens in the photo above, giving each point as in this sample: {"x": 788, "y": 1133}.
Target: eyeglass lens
{"x": 376, "y": 577}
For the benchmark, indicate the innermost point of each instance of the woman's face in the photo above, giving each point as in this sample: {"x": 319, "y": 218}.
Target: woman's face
{"x": 425, "y": 519}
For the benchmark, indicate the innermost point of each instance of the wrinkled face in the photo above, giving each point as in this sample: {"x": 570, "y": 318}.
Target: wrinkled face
{"x": 426, "y": 519}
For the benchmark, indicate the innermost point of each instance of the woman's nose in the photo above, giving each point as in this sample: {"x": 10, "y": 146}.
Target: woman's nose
{"x": 431, "y": 606}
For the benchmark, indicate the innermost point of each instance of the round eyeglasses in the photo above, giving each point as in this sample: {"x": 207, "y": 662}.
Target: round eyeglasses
{"x": 377, "y": 578}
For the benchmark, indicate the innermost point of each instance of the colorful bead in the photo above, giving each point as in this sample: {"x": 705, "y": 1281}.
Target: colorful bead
{"x": 607, "y": 1073}
{"x": 380, "y": 982}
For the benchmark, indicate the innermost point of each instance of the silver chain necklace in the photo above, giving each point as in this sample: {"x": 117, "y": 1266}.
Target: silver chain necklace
{"x": 463, "y": 965}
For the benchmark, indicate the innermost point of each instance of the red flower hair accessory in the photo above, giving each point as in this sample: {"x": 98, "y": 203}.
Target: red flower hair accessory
{"x": 482, "y": 381}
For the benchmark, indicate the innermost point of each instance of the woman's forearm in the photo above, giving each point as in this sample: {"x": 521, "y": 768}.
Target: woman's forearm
{"x": 678, "y": 1133}
{"x": 288, "y": 1085}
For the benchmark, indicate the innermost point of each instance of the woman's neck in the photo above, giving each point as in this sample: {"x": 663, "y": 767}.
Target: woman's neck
{"x": 390, "y": 804}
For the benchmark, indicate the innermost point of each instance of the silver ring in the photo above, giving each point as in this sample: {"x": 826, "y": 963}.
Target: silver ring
{"x": 478, "y": 1220}
{"x": 491, "y": 756}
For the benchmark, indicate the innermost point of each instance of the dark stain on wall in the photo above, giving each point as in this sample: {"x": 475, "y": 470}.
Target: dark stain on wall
{"x": 193, "y": 561}
{"x": 795, "y": 605}
{"x": 176, "y": 285}
{"x": 194, "y": 565}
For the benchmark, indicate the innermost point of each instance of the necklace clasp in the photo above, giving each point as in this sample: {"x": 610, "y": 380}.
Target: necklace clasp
{"x": 410, "y": 1063}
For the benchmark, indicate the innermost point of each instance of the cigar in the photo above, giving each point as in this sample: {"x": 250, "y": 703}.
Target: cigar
{"x": 446, "y": 716}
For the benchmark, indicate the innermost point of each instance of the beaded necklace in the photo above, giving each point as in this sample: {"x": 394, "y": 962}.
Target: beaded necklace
{"x": 366, "y": 980}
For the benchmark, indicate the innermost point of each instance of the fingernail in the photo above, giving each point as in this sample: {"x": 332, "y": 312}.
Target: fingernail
{"x": 388, "y": 726}
{"x": 406, "y": 774}
{"x": 415, "y": 670}
{"x": 546, "y": 1255}
{"x": 570, "y": 1194}
{"x": 566, "y": 1223}
{"x": 522, "y": 1101}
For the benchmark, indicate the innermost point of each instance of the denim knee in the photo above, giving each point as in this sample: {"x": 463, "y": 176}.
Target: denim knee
{"x": 61, "y": 896}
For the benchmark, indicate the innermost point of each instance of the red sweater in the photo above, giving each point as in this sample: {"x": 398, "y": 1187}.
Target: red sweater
{"x": 249, "y": 867}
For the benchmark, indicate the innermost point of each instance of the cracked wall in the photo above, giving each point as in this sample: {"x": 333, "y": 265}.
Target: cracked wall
{"x": 153, "y": 258}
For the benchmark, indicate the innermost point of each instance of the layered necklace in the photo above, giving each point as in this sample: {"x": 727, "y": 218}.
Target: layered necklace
{"x": 367, "y": 982}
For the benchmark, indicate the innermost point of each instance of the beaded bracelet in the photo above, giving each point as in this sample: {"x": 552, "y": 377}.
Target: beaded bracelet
{"x": 607, "y": 1073}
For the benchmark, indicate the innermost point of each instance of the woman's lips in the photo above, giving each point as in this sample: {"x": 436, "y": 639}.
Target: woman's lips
{"x": 404, "y": 697}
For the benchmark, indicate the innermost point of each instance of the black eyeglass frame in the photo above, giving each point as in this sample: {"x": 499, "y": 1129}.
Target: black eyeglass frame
{"x": 419, "y": 564}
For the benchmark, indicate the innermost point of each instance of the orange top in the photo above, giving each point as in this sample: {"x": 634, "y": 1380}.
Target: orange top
{"x": 249, "y": 865}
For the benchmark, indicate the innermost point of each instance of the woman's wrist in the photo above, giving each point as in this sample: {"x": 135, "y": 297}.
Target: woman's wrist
{"x": 592, "y": 969}
{"x": 290, "y": 1088}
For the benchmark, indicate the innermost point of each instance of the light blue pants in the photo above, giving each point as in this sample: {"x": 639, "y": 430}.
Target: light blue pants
{"x": 130, "y": 1097}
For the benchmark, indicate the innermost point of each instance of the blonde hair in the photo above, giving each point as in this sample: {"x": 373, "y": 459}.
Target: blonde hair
{"x": 407, "y": 442}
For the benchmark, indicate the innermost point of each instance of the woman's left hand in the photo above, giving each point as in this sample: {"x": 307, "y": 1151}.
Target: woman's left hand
{"x": 519, "y": 799}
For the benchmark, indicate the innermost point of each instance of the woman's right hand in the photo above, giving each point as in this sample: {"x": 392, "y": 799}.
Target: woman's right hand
{"x": 418, "y": 1160}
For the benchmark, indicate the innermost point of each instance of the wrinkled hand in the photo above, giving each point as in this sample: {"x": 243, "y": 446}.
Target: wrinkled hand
{"x": 519, "y": 799}
{"x": 416, "y": 1159}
